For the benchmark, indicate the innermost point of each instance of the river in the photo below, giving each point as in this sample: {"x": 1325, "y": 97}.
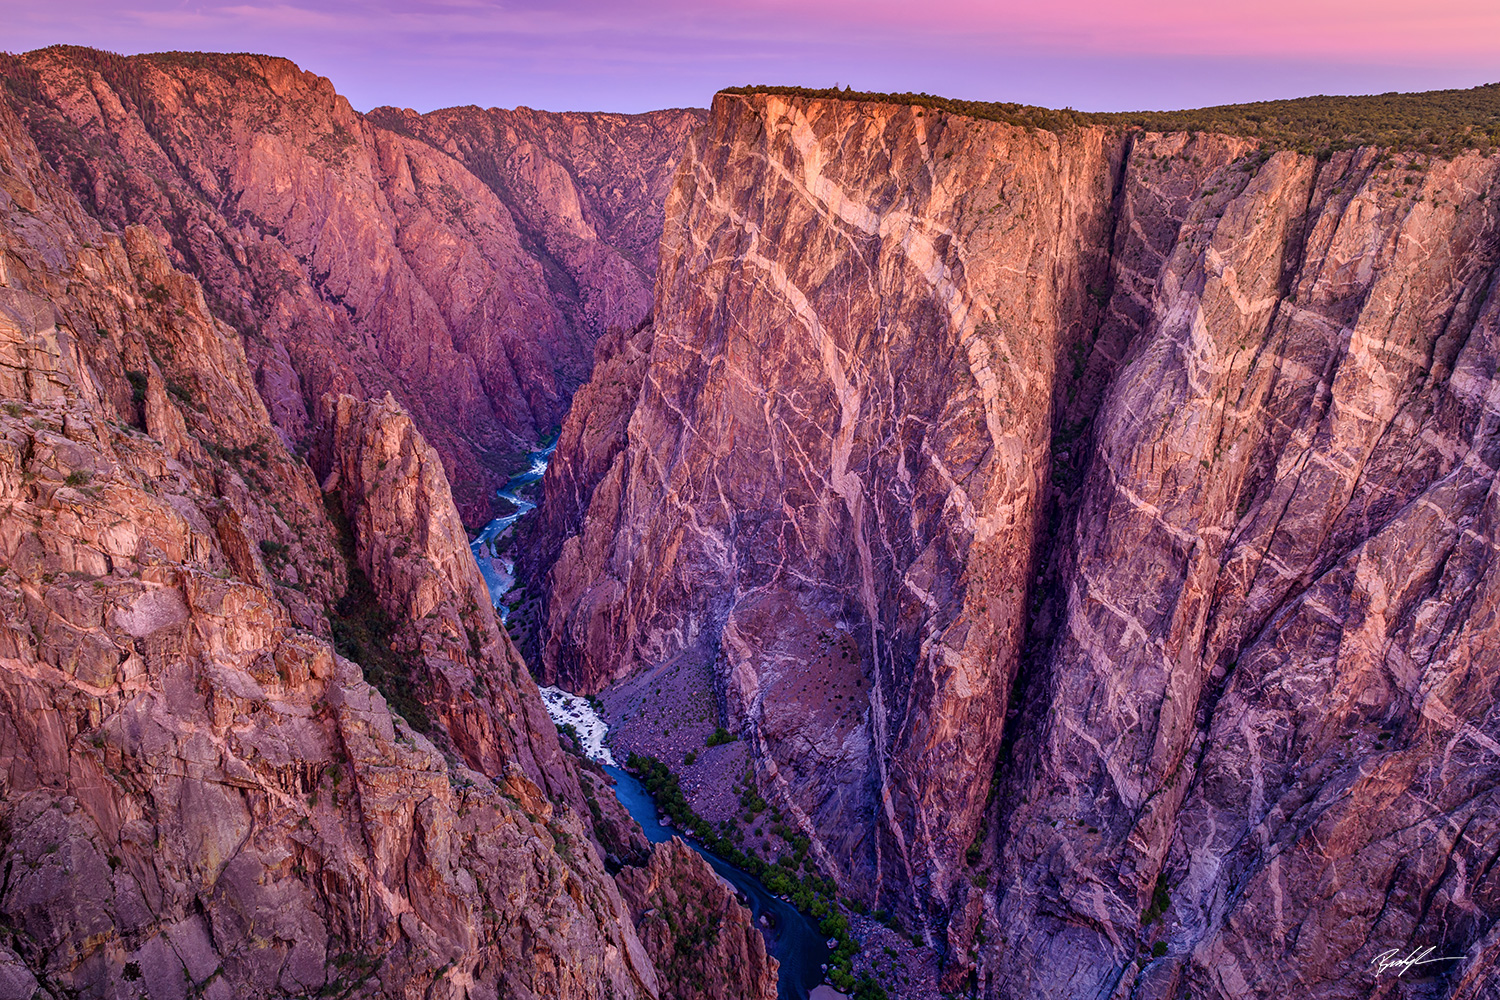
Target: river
{"x": 499, "y": 571}
{"x": 794, "y": 938}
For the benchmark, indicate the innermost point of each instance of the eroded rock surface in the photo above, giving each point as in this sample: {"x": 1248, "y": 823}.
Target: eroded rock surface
{"x": 587, "y": 191}
{"x": 355, "y": 259}
{"x": 814, "y": 455}
{"x": 1142, "y": 484}
{"x": 472, "y": 685}
{"x": 198, "y": 794}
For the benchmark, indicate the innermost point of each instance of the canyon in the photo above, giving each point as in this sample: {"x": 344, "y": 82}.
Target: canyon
{"x": 1080, "y": 540}
{"x": 204, "y": 792}
{"x": 353, "y": 258}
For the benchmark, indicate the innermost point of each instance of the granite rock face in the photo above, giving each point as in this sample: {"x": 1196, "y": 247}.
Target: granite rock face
{"x": 1273, "y": 602}
{"x": 199, "y": 795}
{"x": 814, "y": 455}
{"x": 587, "y": 192}
{"x": 700, "y": 937}
{"x": 1134, "y": 492}
{"x": 354, "y": 259}
{"x": 473, "y": 687}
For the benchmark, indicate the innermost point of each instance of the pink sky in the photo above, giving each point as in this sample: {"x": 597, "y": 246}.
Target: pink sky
{"x": 1339, "y": 29}
{"x": 631, "y": 55}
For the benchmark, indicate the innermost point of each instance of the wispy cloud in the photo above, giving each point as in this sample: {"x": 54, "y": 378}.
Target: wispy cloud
{"x": 270, "y": 17}
{"x": 633, "y": 54}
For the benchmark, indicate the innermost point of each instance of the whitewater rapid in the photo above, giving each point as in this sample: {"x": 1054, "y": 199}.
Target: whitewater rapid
{"x": 570, "y": 710}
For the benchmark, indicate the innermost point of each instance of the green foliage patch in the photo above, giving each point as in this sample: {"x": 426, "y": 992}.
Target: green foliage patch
{"x": 363, "y": 632}
{"x": 1161, "y": 900}
{"x": 1435, "y": 122}
{"x": 138, "y": 383}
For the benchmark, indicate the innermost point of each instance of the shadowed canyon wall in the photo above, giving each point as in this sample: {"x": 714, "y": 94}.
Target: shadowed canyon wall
{"x": 586, "y": 191}
{"x": 1137, "y": 492}
{"x": 357, "y": 259}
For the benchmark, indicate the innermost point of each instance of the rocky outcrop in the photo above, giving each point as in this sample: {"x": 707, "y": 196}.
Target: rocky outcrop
{"x": 357, "y": 260}
{"x": 1143, "y": 481}
{"x": 199, "y": 794}
{"x": 474, "y": 691}
{"x": 699, "y": 936}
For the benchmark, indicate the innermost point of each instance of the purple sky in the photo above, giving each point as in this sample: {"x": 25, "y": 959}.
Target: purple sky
{"x": 630, "y": 55}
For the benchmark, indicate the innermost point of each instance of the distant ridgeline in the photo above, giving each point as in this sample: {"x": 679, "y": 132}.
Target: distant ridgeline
{"x": 123, "y": 73}
{"x": 1437, "y": 122}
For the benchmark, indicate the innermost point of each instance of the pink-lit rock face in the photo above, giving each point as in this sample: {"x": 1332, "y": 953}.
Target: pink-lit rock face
{"x": 848, "y": 384}
{"x": 701, "y": 939}
{"x": 1088, "y": 536}
{"x": 198, "y": 792}
{"x": 587, "y": 191}
{"x": 201, "y": 792}
{"x": 354, "y": 259}
{"x": 1136, "y": 495}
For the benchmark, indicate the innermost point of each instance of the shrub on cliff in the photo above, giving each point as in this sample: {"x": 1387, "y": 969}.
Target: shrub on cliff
{"x": 363, "y": 632}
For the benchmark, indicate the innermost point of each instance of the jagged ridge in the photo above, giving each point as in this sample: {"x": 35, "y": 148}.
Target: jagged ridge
{"x": 356, "y": 259}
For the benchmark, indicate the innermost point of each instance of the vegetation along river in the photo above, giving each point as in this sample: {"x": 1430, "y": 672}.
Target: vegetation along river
{"x": 793, "y": 937}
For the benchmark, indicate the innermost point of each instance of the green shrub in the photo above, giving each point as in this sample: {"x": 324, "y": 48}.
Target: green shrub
{"x": 362, "y": 632}
{"x": 1438, "y": 122}
{"x": 1161, "y": 899}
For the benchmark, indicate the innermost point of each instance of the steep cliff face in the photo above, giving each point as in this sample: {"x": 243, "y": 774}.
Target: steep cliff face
{"x": 198, "y": 794}
{"x": 848, "y": 387}
{"x": 1274, "y": 600}
{"x": 353, "y": 259}
{"x": 447, "y": 651}
{"x": 587, "y": 192}
{"x": 1147, "y": 474}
